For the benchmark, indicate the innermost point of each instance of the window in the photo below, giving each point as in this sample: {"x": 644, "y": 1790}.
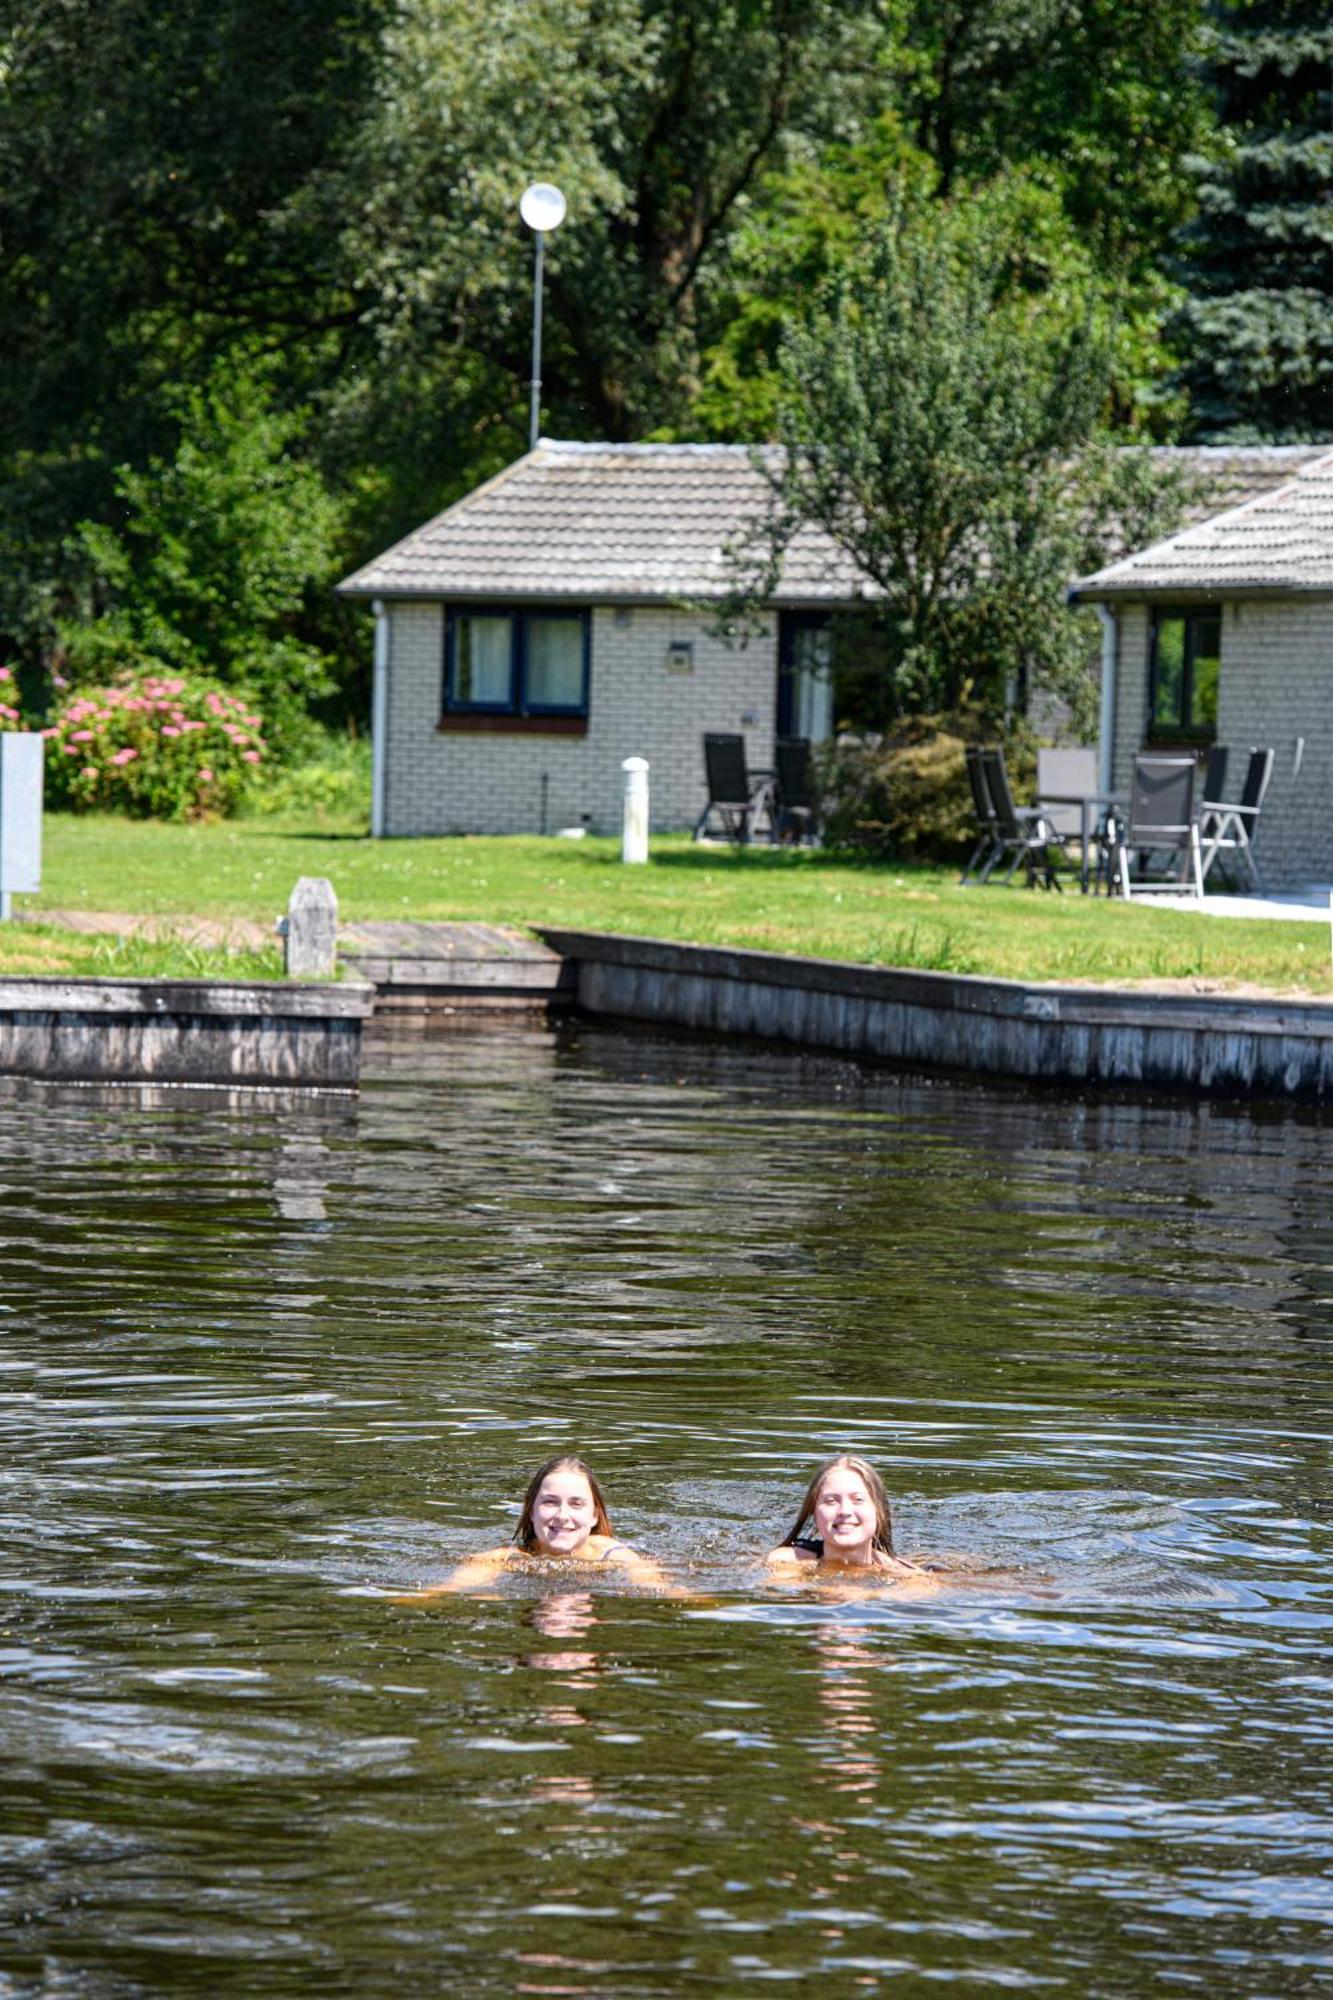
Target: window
{"x": 1184, "y": 663}
{"x": 520, "y": 664}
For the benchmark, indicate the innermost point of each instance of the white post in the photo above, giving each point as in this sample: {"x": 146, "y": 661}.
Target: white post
{"x": 634, "y": 839}
{"x": 379, "y": 719}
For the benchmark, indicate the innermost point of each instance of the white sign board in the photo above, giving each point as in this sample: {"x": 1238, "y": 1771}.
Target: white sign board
{"x": 20, "y": 813}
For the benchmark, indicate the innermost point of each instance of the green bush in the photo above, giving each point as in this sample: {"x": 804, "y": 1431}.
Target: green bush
{"x": 905, "y": 795}
{"x": 327, "y": 779}
{"x": 10, "y": 717}
{"x": 155, "y": 746}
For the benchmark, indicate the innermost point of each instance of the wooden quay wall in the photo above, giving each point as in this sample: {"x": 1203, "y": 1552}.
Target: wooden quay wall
{"x": 1077, "y": 1035}
{"x": 270, "y": 1033}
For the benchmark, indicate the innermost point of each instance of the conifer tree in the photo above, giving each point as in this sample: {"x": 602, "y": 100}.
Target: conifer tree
{"x": 1256, "y": 337}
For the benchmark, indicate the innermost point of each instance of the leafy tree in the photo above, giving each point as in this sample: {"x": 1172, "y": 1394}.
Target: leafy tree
{"x": 655, "y": 116}
{"x": 165, "y": 181}
{"x": 209, "y": 567}
{"x": 1257, "y": 334}
{"x": 939, "y": 411}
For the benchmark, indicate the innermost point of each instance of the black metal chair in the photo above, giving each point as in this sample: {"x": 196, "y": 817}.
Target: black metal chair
{"x": 989, "y": 847}
{"x": 796, "y": 800}
{"x": 1021, "y": 831}
{"x": 1229, "y": 829}
{"x": 1162, "y": 819}
{"x": 736, "y": 798}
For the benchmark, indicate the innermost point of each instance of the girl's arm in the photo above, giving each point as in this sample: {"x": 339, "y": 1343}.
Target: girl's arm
{"x": 472, "y": 1574}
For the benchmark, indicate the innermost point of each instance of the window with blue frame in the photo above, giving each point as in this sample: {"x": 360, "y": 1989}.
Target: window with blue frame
{"x": 502, "y": 660}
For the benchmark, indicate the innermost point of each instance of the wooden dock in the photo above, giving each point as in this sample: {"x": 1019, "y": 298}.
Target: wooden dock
{"x": 424, "y": 973}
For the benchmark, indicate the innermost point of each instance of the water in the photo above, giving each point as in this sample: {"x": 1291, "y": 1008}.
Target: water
{"x": 260, "y": 1361}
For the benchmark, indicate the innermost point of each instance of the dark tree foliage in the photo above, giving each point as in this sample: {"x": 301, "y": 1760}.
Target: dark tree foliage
{"x": 161, "y": 174}
{"x": 1257, "y": 334}
{"x": 1096, "y": 92}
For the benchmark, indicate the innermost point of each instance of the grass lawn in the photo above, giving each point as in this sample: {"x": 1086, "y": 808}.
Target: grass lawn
{"x": 791, "y": 901}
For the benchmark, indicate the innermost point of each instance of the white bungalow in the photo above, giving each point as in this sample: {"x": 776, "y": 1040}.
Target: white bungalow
{"x": 556, "y": 621}
{"x": 1223, "y": 633}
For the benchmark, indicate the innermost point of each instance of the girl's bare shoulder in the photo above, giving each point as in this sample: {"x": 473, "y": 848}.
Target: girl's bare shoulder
{"x": 787, "y": 1555}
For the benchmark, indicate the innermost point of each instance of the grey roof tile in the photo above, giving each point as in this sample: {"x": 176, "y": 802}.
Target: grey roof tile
{"x": 652, "y": 522}
{"x": 1279, "y": 539}
{"x": 603, "y": 521}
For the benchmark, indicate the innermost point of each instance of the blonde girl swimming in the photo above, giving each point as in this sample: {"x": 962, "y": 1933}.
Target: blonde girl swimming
{"x": 563, "y": 1519}
{"x": 848, "y": 1510}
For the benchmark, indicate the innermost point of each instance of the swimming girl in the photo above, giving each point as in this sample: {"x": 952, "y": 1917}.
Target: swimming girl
{"x": 563, "y": 1519}
{"x": 847, "y": 1506}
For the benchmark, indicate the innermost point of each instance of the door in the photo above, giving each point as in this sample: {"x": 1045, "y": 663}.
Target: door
{"x": 805, "y": 675}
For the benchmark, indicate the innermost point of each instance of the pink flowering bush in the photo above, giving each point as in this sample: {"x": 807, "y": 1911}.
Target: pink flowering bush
{"x": 155, "y": 745}
{"x": 9, "y": 712}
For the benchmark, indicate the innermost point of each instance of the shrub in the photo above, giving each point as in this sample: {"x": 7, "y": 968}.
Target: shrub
{"x": 10, "y": 717}
{"x": 154, "y": 745}
{"x": 906, "y": 794}
{"x": 327, "y": 779}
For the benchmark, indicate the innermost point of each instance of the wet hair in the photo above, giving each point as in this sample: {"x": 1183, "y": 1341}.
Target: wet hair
{"x": 525, "y": 1535}
{"x": 874, "y": 1485}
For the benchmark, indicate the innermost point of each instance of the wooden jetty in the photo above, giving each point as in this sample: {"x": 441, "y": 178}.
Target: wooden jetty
{"x": 425, "y": 973}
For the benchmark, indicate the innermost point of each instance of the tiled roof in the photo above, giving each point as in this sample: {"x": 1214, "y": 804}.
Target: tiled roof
{"x": 645, "y": 522}
{"x": 1279, "y": 540}
{"x": 604, "y": 522}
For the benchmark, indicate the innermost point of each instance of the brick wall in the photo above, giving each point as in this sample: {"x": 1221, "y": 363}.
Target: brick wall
{"x": 442, "y": 783}
{"x": 1276, "y": 686}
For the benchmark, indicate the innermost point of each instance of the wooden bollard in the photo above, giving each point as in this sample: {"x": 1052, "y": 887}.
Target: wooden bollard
{"x": 310, "y": 930}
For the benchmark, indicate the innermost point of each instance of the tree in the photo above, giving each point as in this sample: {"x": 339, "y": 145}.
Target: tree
{"x": 939, "y": 417}
{"x": 656, "y": 117}
{"x": 1257, "y": 333}
{"x": 165, "y": 170}
{"x": 210, "y": 563}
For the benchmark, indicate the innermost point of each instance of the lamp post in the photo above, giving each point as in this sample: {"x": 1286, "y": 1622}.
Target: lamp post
{"x": 543, "y": 209}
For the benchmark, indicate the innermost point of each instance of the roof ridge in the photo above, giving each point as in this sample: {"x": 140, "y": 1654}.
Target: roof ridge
{"x": 1212, "y": 523}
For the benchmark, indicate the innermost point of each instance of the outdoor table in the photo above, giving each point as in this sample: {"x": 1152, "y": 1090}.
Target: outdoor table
{"x": 1090, "y": 805}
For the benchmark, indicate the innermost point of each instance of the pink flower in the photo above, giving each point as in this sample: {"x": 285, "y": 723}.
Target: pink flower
{"x": 205, "y": 774}
{"x": 167, "y": 730}
{"x": 58, "y": 680}
{"x": 82, "y": 736}
{"x": 69, "y": 750}
{"x": 125, "y": 756}
{"x": 88, "y": 771}
{"x": 252, "y": 756}
{"x": 5, "y": 674}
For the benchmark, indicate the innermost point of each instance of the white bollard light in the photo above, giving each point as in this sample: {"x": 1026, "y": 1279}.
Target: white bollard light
{"x": 634, "y": 839}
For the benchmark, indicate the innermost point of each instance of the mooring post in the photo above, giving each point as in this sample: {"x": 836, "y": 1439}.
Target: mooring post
{"x": 310, "y": 930}
{"x": 634, "y": 838}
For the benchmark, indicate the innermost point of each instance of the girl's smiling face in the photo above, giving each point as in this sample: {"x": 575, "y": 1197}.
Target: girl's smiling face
{"x": 845, "y": 1516}
{"x": 563, "y": 1513}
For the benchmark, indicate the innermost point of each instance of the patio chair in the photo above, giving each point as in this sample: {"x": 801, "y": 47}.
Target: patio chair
{"x": 796, "y": 801}
{"x": 1065, "y": 779}
{"x": 989, "y": 847}
{"x": 736, "y": 798}
{"x": 1161, "y": 820}
{"x": 1021, "y": 831}
{"x": 1229, "y": 829}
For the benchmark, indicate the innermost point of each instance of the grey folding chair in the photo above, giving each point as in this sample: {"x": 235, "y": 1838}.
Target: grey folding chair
{"x": 1229, "y": 829}
{"x": 1021, "y": 831}
{"x": 796, "y": 798}
{"x": 735, "y": 798}
{"x": 989, "y": 846}
{"x": 1161, "y": 820}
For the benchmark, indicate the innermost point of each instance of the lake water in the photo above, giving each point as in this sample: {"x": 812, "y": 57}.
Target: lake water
{"x": 261, "y": 1360}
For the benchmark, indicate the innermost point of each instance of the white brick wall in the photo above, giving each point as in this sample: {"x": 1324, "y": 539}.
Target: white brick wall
{"x": 1276, "y": 685}
{"x": 482, "y": 783}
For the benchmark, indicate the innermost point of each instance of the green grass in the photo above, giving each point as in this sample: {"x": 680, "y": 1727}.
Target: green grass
{"x": 794, "y": 901}
{"x": 41, "y": 949}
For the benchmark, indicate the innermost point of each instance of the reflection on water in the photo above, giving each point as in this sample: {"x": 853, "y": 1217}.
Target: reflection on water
{"x": 263, "y": 1359}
